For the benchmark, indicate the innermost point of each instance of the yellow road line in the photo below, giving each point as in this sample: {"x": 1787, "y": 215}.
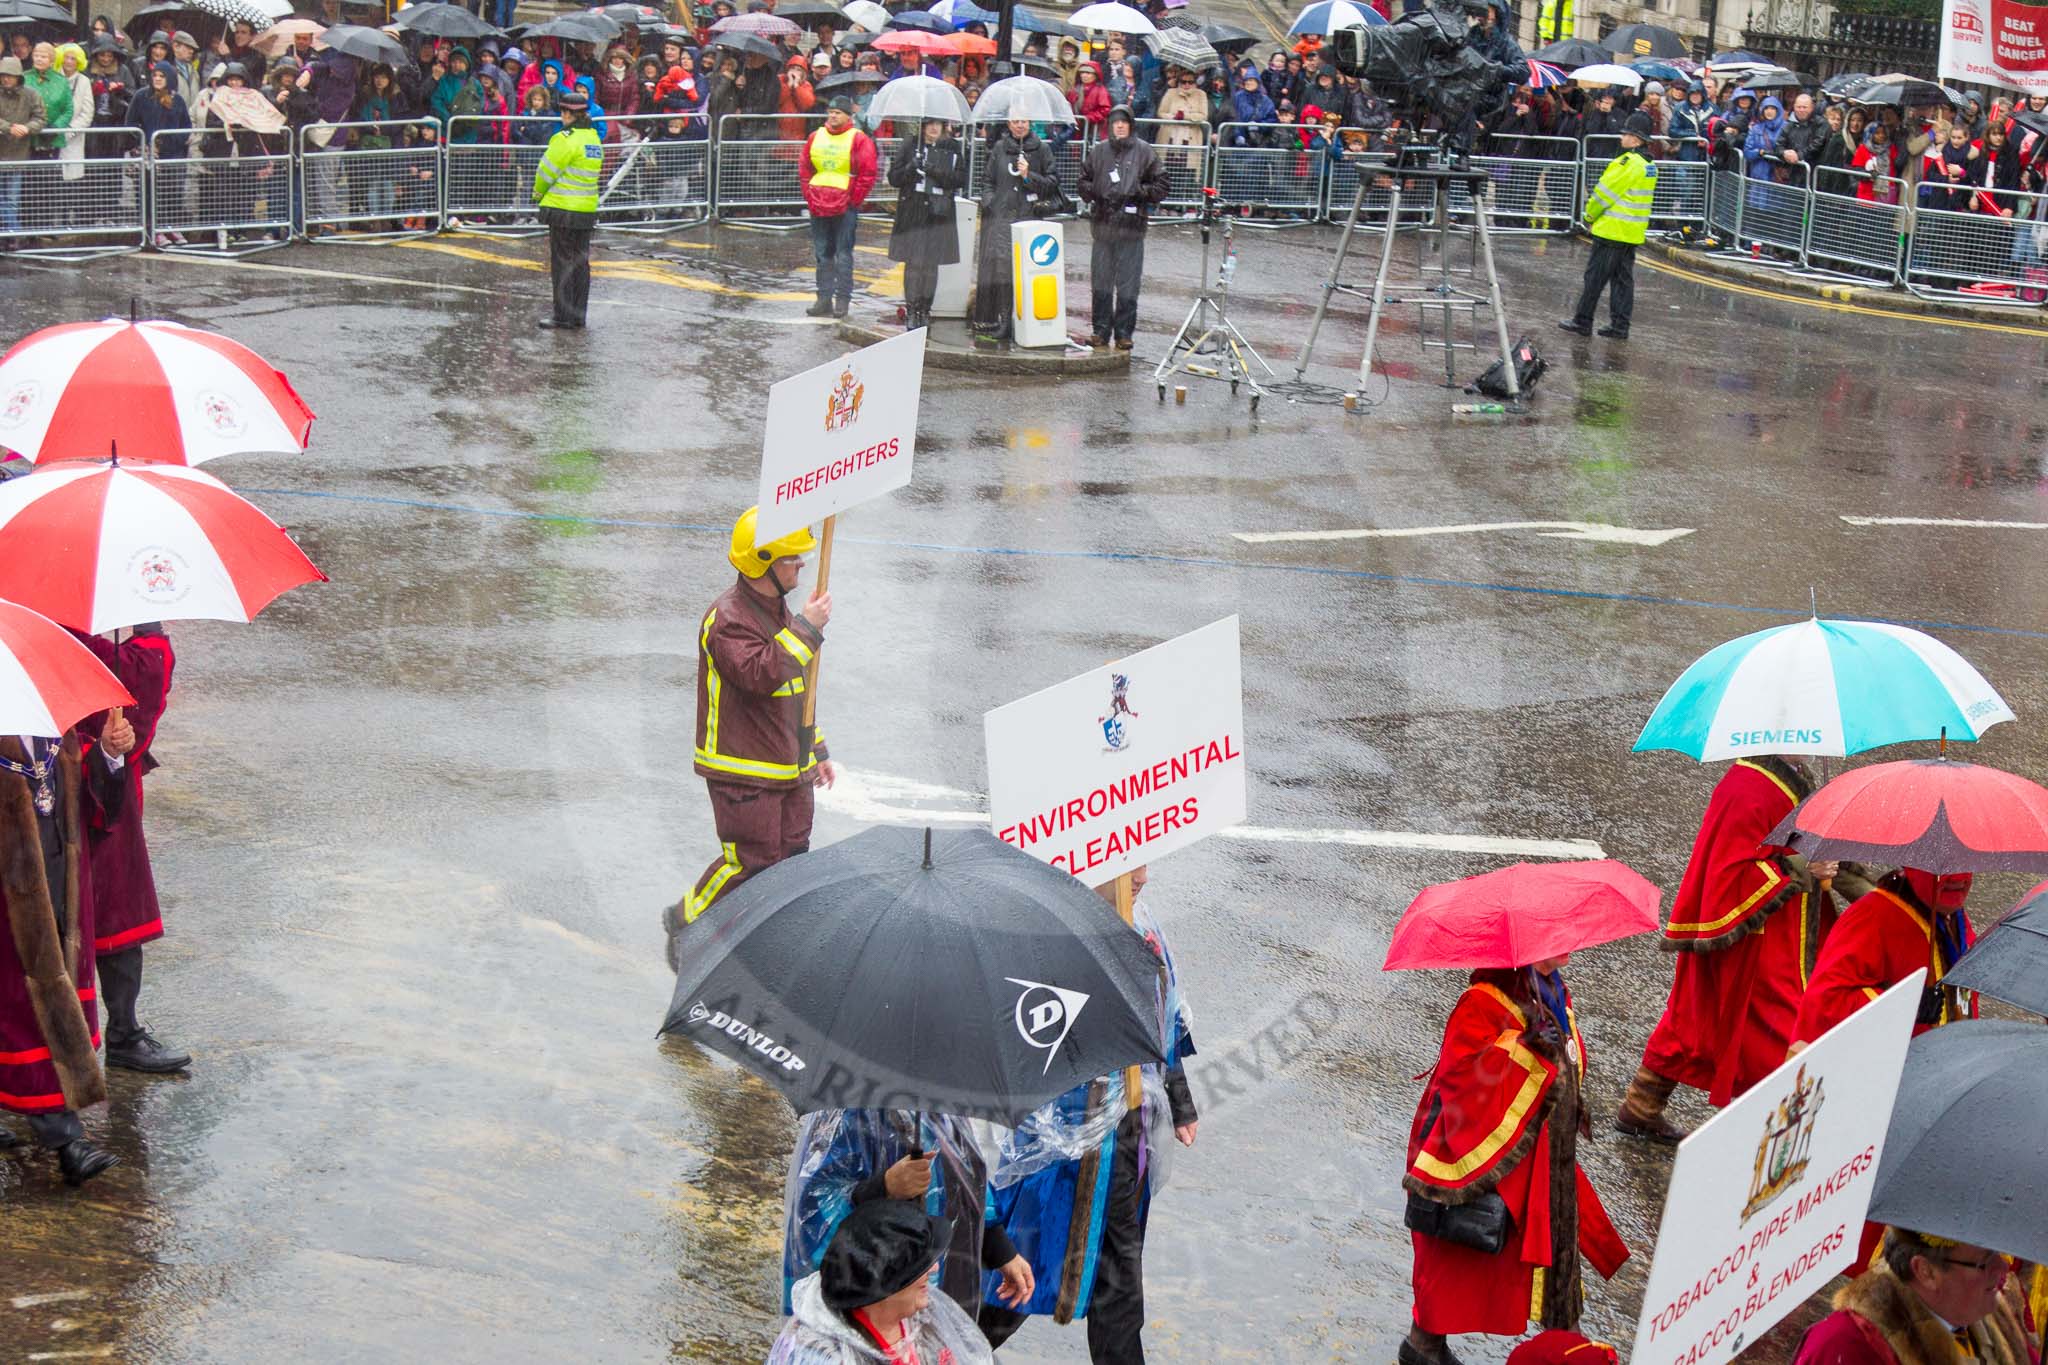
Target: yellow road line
{"x": 646, "y": 272}
{"x": 1839, "y": 307}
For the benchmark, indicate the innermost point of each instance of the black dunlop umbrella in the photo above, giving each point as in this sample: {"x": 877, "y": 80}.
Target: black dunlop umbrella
{"x": 1633, "y": 42}
{"x": 1963, "y": 1157}
{"x": 2010, "y": 963}
{"x": 900, "y": 969}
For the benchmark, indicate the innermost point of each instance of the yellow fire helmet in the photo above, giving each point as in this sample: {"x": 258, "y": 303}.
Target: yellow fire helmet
{"x": 753, "y": 560}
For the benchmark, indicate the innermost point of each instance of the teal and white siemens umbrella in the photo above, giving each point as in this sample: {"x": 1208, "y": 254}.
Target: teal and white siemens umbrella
{"x": 1822, "y": 687}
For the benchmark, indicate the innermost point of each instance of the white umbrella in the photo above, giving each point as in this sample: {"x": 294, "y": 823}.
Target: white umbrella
{"x": 1110, "y": 17}
{"x": 1608, "y": 74}
{"x": 1023, "y": 97}
{"x": 918, "y": 97}
{"x": 867, "y": 14}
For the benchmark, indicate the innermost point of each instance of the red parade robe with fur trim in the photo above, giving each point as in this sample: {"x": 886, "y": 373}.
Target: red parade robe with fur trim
{"x": 1501, "y": 1114}
{"x": 1745, "y": 932}
{"x": 49, "y": 1016}
{"x": 125, "y": 907}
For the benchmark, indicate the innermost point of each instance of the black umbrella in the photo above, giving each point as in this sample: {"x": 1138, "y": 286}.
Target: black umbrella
{"x": 1907, "y": 92}
{"x": 1636, "y": 41}
{"x": 1229, "y": 38}
{"x": 1964, "y": 1157}
{"x": 1572, "y": 53}
{"x": 580, "y": 27}
{"x": 1845, "y": 83}
{"x": 811, "y": 14}
{"x": 366, "y": 44}
{"x": 921, "y": 20}
{"x": 2037, "y": 124}
{"x": 1778, "y": 78}
{"x": 851, "y": 82}
{"x": 2010, "y": 963}
{"x": 37, "y": 11}
{"x": 747, "y": 45}
{"x": 444, "y": 21}
{"x": 900, "y": 969}
{"x": 639, "y": 16}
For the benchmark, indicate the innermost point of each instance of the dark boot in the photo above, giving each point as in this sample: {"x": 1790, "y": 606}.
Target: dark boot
{"x": 80, "y": 1161}
{"x": 841, "y": 307}
{"x": 140, "y": 1051}
{"x": 1642, "y": 1109}
{"x": 821, "y": 309}
{"x": 1426, "y": 1348}
{"x": 1616, "y": 333}
{"x": 1574, "y": 325}
{"x": 672, "y": 926}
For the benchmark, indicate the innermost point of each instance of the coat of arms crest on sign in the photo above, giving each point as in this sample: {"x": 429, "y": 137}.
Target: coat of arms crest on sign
{"x": 1787, "y": 1143}
{"x": 842, "y": 406}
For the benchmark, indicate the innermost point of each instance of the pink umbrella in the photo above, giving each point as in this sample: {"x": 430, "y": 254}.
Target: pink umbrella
{"x": 1523, "y": 914}
{"x": 147, "y": 391}
{"x": 765, "y": 25}
{"x": 96, "y": 545}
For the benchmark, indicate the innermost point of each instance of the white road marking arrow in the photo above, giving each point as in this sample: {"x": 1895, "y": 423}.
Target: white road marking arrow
{"x": 871, "y": 798}
{"x": 1948, "y": 521}
{"x": 1598, "y": 531}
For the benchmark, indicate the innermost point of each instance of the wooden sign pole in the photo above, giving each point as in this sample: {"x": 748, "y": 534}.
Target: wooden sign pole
{"x": 823, "y": 584}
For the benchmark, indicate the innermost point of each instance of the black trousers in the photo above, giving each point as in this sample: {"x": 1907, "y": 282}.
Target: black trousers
{"x": 1116, "y": 266}
{"x": 920, "y": 285}
{"x": 1116, "y": 1306}
{"x": 120, "y": 988}
{"x": 569, "y": 263}
{"x": 1612, "y": 267}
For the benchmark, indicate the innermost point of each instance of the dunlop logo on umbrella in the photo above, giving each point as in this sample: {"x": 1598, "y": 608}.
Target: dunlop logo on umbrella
{"x": 1046, "y": 1015}
{"x": 1787, "y": 1143}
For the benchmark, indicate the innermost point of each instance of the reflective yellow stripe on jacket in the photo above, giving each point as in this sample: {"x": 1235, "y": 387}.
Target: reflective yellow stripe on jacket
{"x": 714, "y": 686}
{"x": 570, "y": 171}
{"x": 1619, "y": 207}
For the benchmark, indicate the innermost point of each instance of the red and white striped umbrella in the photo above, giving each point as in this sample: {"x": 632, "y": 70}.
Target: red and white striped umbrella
{"x": 98, "y": 545}
{"x": 155, "y": 391}
{"x": 48, "y": 681}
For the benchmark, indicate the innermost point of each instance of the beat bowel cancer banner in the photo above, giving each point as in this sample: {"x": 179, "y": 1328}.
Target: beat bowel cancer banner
{"x": 1767, "y": 1199}
{"x": 840, "y": 434}
{"x": 1995, "y": 42}
{"x": 1129, "y": 761}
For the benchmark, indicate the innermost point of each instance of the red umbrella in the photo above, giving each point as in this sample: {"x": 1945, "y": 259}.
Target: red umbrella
{"x": 155, "y": 391}
{"x": 1523, "y": 914}
{"x": 1929, "y": 813}
{"x": 49, "y": 681}
{"x": 918, "y": 41}
{"x": 96, "y": 545}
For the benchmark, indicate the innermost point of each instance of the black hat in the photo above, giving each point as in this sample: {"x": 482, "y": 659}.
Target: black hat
{"x": 574, "y": 100}
{"x": 1639, "y": 125}
{"x": 840, "y": 104}
{"x": 228, "y": 69}
{"x": 1121, "y": 111}
{"x": 883, "y": 1247}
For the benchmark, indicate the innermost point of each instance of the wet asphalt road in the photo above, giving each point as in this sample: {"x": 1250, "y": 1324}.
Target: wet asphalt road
{"x": 414, "y": 825}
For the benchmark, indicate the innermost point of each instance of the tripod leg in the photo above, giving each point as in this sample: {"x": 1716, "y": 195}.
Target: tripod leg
{"x": 1336, "y": 275}
{"x": 1379, "y": 286}
{"x": 1500, "y": 312}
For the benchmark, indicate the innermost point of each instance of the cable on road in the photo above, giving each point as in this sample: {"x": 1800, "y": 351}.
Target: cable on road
{"x": 1799, "y": 611}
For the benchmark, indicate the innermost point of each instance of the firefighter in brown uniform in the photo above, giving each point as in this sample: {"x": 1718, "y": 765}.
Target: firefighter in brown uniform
{"x": 756, "y": 759}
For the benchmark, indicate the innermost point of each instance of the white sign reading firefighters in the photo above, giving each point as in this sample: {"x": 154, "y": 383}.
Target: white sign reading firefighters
{"x": 1126, "y": 762}
{"x": 839, "y": 434}
{"x": 1995, "y": 42}
{"x": 1767, "y": 1199}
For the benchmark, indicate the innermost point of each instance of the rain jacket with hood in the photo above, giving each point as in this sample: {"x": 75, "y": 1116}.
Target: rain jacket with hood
{"x": 795, "y": 99}
{"x": 455, "y": 96}
{"x": 943, "y": 1334}
{"x": 1122, "y": 181}
{"x": 1689, "y": 121}
{"x": 1760, "y": 144}
{"x": 23, "y": 106}
{"x": 1880, "y": 162}
{"x": 1090, "y": 99}
{"x": 1249, "y": 106}
{"x": 618, "y": 92}
{"x": 841, "y": 1158}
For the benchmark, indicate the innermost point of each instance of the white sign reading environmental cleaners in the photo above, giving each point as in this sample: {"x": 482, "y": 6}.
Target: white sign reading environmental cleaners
{"x": 1126, "y": 762}
{"x": 1767, "y": 1199}
{"x": 839, "y": 434}
{"x": 1995, "y": 42}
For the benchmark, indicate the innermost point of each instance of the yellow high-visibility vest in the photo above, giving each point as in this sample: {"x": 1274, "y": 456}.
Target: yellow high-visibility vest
{"x": 832, "y": 159}
{"x": 569, "y": 171}
{"x": 1619, "y": 207}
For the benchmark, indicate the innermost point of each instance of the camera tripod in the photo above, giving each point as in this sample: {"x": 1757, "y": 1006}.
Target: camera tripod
{"x": 1423, "y": 170}
{"x": 1207, "y": 328}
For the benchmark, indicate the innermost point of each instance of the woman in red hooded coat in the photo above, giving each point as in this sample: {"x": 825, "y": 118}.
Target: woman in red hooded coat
{"x": 1501, "y": 1115}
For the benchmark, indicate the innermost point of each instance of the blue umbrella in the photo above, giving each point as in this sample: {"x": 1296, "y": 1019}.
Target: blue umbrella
{"x": 1737, "y": 57}
{"x": 1822, "y": 687}
{"x": 1328, "y": 16}
{"x": 921, "y": 20}
{"x": 1659, "y": 71}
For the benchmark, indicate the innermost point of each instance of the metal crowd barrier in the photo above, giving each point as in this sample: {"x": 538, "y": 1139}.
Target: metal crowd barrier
{"x": 1538, "y": 194}
{"x": 1260, "y": 169}
{"x": 756, "y": 170}
{"x": 1187, "y": 168}
{"x": 1341, "y": 188}
{"x": 1950, "y": 251}
{"x": 207, "y": 196}
{"x": 653, "y": 181}
{"x": 356, "y": 190}
{"x": 1681, "y": 196}
{"x": 488, "y": 165}
{"x": 1853, "y": 233}
{"x": 1774, "y": 213}
{"x": 79, "y": 209}
{"x": 1066, "y": 162}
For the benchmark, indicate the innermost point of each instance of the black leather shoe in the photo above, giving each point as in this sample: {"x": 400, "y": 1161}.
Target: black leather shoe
{"x": 144, "y": 1053}
{"x": 1616, "y": 333}
{"x": 1574, "y": 325}
{"x": 549, "y": 323}
{"x": 80, "y": 1161}
{"x": 821, "y": 309}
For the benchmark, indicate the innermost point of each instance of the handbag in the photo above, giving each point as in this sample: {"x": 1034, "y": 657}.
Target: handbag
{"x": 1481, "y": 1224}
